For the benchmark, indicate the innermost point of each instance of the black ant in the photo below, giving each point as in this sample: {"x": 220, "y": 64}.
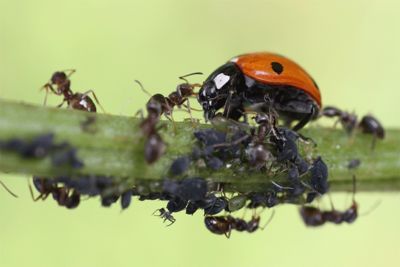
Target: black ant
{"x": 60, "y": 84}
{"x": 348, "y": 121}
{"x": 166, "y": 215}
{"x": 313, "y": 216}
{"x": 368, "y": 123}
{"x": 176, "y": 98}
{"x": 158, "y": 105}
{"x": 223, "y": 225}
{"x": 61, "y": 194}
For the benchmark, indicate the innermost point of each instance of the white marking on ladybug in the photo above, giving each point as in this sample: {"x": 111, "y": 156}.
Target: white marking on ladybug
{"x": 220, "y": 80}
{"x": 235, "y": 59}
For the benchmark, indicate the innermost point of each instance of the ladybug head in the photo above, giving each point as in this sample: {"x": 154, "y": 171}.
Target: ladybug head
{"x": 220, "y": 87}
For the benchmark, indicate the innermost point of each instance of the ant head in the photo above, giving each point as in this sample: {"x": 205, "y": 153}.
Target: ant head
{"x": 58, "y": 77}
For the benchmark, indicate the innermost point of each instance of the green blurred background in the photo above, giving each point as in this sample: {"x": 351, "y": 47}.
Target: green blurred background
{"x": 350, "y": 47}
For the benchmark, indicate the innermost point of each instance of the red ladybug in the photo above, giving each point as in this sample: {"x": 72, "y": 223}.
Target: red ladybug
{"x": 261, "y": 81}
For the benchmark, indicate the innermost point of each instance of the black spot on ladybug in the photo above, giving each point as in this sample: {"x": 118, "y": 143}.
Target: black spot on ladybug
{"x": 277, "y": 67}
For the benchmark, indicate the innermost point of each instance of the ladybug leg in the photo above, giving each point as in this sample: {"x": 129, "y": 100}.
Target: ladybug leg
{"x": 227, "y": 105}
{"x": 305, "y": 120}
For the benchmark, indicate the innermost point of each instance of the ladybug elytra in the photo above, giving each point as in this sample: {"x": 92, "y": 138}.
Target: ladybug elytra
{"x": 261, "y": 81}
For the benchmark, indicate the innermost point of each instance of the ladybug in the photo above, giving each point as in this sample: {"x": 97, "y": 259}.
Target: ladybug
{"x": 261, "y": 82}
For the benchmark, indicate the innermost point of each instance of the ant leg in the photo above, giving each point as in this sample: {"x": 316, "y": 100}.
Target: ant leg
{"x": 190, "y": 113}
{"x": 172, "y": 220}
{"x": 62, "y": 103}
{"x": 171, "y": 119}
{"x": 304, "y": 120}
{"x": 95, "y": 98}
{"x": 228, "y": 234}
{"x": 8, "y": 190}
{"x": 139, "y": 113}
{"x": 268, "y": 221}
{"x": 41, "y": 196}
{"x": 194, "y": 109}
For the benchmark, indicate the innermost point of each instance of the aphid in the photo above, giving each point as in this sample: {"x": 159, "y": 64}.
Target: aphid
{"x": 214, "y": 163}
{"x": 176, "y": 204}
{"x": 60, "y": 80}
{"x": 266, "y": 79}
{"x": 193, "y": 189}
{"x": 166, "y": 215}
{"x": 179, "y": 166}
{"x": 236, "y": 203}
{"x": 319, "y": 176}
{"x": 353, "y": 164}
{"x": 191, "y": 208}
{"x": 107, "y": 201}
{"x": 213, "y": 205}
{"x": 126, "y": 198}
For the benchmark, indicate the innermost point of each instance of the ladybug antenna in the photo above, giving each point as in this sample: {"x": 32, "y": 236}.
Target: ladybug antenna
{"x": 8, "y": 190}
{"x": 142, "y": 87}
{"x": 190, "y": 74}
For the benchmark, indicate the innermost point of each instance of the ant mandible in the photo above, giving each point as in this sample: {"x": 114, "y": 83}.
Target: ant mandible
{"x": 60, "y": 84}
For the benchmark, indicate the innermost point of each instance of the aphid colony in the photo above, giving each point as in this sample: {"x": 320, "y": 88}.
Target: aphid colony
{"x": 245, "y": 100}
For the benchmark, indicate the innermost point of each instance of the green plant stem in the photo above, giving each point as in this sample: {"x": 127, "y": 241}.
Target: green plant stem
{"x": 114, "y": 146}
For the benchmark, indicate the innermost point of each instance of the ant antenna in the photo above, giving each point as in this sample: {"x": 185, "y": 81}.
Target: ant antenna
{"x": 142, "y": 87}
{"x": 8, "y": 190}
{"x": 372, "y": 208}
{"x": 190, "y": 74}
